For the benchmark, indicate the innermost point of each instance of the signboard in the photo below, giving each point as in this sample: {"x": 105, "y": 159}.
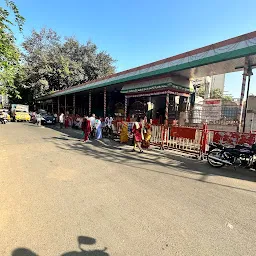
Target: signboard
{"x": 212, "y": 102}
{"x": 211, "y": 110}
{"x": 20, "y": 108}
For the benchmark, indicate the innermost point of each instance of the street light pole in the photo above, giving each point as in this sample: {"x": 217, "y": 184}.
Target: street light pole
{"x": 247, "y": 96}
{"x": 240, "y": 117}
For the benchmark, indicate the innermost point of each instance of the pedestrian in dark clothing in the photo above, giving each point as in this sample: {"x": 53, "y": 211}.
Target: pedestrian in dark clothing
{"x": 86, "y": 128}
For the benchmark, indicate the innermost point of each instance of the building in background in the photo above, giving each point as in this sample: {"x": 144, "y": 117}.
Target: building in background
{"x": 4, "y": 101}
{"x": 209, "y": 84}
{"x": 250, "y": 122}
{"x": 217, "y": 82}
{"x": 166, "y": 84}
{"x": 215, "y": 111}
{"x": 252, "y": 103}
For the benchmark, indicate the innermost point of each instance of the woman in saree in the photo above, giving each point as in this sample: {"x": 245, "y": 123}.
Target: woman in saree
{"x": 138, "y": 135}
{"x": 86, "y": 127}
{"x": 66, "y": 120}
{"x": 98, "y": 127}
{"x": 124, "y": 132}
{"x": 147, "y": 134}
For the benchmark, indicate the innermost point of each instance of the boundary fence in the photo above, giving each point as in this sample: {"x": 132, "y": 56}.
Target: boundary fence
{"x": 193, "y": 139}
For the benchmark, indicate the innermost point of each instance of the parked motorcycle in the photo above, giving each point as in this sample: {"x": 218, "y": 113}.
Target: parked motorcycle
{"x": 239, "y": 155}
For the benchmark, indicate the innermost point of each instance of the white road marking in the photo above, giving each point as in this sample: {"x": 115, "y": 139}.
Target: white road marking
{"x": 229, "y": 225}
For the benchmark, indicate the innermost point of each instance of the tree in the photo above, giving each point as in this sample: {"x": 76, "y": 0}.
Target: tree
{"x": 9, "y": 54}
{"x": 53, "y": 64}
{"x": 227, "y": 98}
{"x": 214, "y": 94}
{"x": 201, "y": 91}
{"x": 25, "y": 96}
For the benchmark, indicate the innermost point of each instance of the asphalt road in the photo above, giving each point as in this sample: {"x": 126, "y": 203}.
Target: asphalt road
{"x": 60, "y": 196}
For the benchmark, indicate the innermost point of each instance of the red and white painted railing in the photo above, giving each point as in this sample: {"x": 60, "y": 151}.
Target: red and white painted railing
{"x": 184, "y": 138}
{"x": 193, "y": 139}
{"x": 231, "y": 138}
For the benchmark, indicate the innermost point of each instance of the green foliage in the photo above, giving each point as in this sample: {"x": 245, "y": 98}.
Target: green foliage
{"x": 227, "y": 98}
{"x": 201, "y": 91}
{"x": 19, "y": 91}
{"x": 9, "y": 54}
{"x": 215, "y": 94}
{"x": 54, "y": 64}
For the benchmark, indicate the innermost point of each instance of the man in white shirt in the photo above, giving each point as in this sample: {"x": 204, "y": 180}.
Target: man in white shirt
{"x": 110, "y": 120}
{"x": 38, "y": 119}
{"x": 92, "y": 120}
{"x": 61, "y": 120}
{"x": 5, "y": 115}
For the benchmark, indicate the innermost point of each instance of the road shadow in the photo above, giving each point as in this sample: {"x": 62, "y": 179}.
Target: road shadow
{"x": 23, "y": 252}
{"x": 111, "y": 151}
{"x": 83, "y": 242}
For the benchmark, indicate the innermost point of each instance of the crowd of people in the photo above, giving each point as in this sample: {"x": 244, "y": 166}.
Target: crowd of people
{"x": 140, "y": 132}
{"x": 92, "y": 127}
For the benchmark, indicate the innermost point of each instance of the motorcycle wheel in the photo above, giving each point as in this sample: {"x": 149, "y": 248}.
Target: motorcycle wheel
{"x": 214, "y": 163}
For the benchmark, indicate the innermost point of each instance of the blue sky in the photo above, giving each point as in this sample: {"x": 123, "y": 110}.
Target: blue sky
{"x": 137, "y": 32}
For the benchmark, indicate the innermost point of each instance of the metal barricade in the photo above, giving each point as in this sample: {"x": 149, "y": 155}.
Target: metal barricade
{"x": 166, "y": 138}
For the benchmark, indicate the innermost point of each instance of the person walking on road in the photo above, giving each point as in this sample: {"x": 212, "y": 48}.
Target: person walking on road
{"x": 38, "y": 119}
{"x": 61, "y": 120}
{"x": 92, "y": 122}
{"x": 98, "y": 127}
{"x": 86, "y": 127}
{"x": 147, "y": 131}
{"x": 66, "y": 120}
{"x": 138, "y": 135}
{"x": 55, "y": 116}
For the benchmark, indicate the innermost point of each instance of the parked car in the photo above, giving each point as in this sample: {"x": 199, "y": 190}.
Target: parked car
{"x": 48, "y": 119}
{"x": 20, "y": 112}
